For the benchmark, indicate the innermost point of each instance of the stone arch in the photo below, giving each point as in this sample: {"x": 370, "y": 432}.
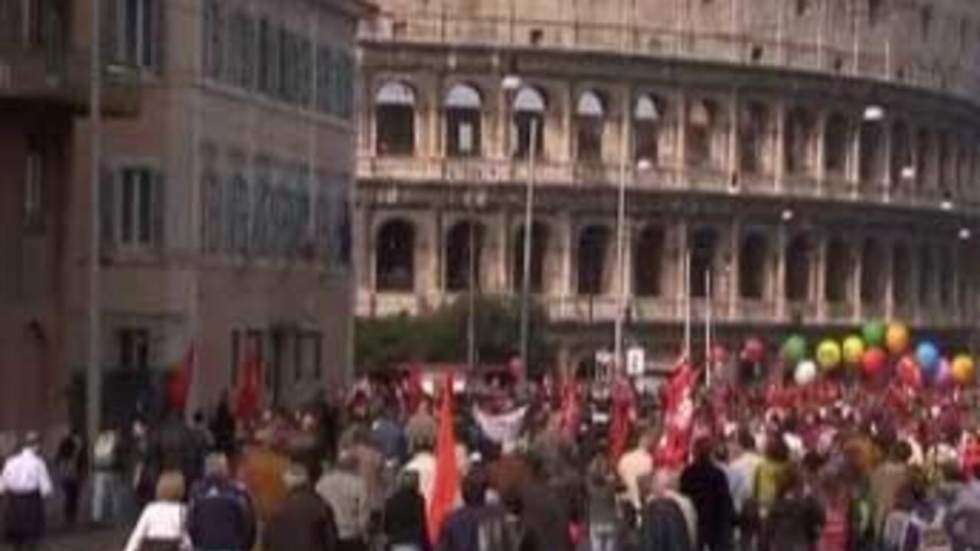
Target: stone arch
{"x": 871, "y": 163}
{"x": 702, "y": 121}
{"x": 902, "y": 167}
{"x": 529, "y": 108}
{"x": 648, "y": 261}
{"x": 592, "y": 260}
{"x": 590, "y": 119}
{"x": 800, "y": 132}
{"x": 872, "y": 272}
{"x": 838, "y": 269}
{"x": 901, "y": 274}
{"x": 394, "y": 118}
{"x": 798, "y": 268}
{"x": 704, "y": 250}
{"x": 394, "y": 252}
{"x": 947, "y": 276}
{"x": 540, "y": 238}
{"x": 649, "y": 120}
{"x": 464, "y": 118}
{"x": 464, "y": 255}
{"x": 753, "y": 267}
{"x": 837, "y": 140}
{"x": 927, "y": 274}
{"x": 754, "y": 128}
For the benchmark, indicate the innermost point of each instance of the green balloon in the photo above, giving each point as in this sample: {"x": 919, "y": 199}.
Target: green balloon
{"x": 874, "y": 333}
{"x": 794, "y": 349}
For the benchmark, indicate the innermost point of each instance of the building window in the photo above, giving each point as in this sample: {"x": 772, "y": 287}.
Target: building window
{"x": 754, "y": 131}
{"x": 133, "y": 348}
{"x": 590, "y": 121}
{"x": 395, "y": 119}
{"x": 34, "y": 189}
{"x": 539, "y": 247}
{"x": 797, "y": 282}
{"x": 702, "y": 115}
{"x": 704, "y": 248}
{"x": 925, "y": 21}
{"x": 800, "y": 129}
{"x": 141, "y": 35}
{"x": 268, "y": 55}
{"x": 138, "y": 207}
{"x": 529, "y": 108}
{"x": 901, "y": 274}
{"x": 876, "y": 10}
{"x": 463, "y": 118}
{"x": 836, "y": 145}
{"x": 325, "y": 80}
{"x": 753, "y": 267}
{"x": 902, "y": 163}
{"x": 213, "y": 39}
{"x": 237, "y": 211}
{"x": 872, "y": 161}
{"x": 838, "y": 272}
{"x": 648, "y": 258}
{"x": 593, "y": 252}
{"x": 464, "y": 245}
{"x": 872, "y": 273}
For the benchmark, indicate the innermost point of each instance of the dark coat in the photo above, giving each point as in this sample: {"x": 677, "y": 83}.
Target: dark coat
{"x": 795, "y": 524}
{"x": 404, "y": 518}
{"x": 477, "y": 528}
{"x": 221, "y": 516}
{"x": 707, "y": 487}
{"x": 545, "y": 517}
{"x": 664, "y": 528}
{"x": 303, "y": 521}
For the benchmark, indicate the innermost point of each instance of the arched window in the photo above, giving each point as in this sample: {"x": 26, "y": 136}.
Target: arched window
{"x": 463, "y": 121}
{"x": 464, "y": 248}
{"x": 875, "y": 11}
{"x": 800, "y": 129}
{"x": 902, "y": 168}
{"x": 964, "y": 174}
{"x": 753, "y": 267}
{"x": 648, "y": 124}
{"x": 539, "y": 249}
{"x": 837, "y": 138}
{"x": 901, "y": 274}
{"x": 593, "y": 265}
{"x": 394, "y": 116}
{"x": 924, "y": 160}
{"x": 927, "y": 275}
{"x": 753, "y": 130}
{"x": 944, "y": 174}
{"x": 395, "y": 256}
{"x": 872, "y": 161}
{"x": 872, "y": 273}
{"x": 704, "y": 247}
{"x": 701, "y": 120}
{"x": 590, "y": 114}
{"x": 529, "y": 110}
{"x": 648, "y": 258}
{"x": 838, "y": 269}
{"x": 798, "y": 254}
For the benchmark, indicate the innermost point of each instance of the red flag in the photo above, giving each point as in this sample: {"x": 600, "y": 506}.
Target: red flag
{"x": 679, "y": 416}
{"x": 446, "y": 486}
{"x": 178, "y": 387}
{"x": 250, "y": 389}
{"x": 571, "y": 413}
{"x": 619, "y": 424}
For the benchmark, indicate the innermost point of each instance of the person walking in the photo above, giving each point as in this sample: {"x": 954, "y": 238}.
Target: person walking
{"x": 223, "y": 427}
{"x": 603, "y": 520}
{"x": 163, "y": 524}
{"x": 545, "y": 516}
{"x": 477, "y": 526}
{"x": 111, "y": 453}
{"x": 742, "y": 467}
{"x": 706, "y": 484}
{"x": 347, "y": 494}
{"x": 796, "y": 518}
{"x": 405, "y": 517}
{"x": 669, "y": 519}
{"x": 71, "y": 465}
{"x": 221, "y": 516}
{"x": 26, "y": 482}
{"x": 634, "y": 465}
{"x": 303, "y": 521}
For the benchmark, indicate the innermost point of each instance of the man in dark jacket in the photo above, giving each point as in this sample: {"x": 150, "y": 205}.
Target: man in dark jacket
{"x": 477, "y": 526}
{"x": 707, "y": 487}
{"x": 544, "y": 514}
{"x": 303, "y": 521}
{"x": 404, "y": 515}
{"x": 220, "y": 516}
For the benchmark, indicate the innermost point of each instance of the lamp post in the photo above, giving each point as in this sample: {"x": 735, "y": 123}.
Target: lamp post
{"x": 643, "y": 165}
{"x": 93, "y": 369}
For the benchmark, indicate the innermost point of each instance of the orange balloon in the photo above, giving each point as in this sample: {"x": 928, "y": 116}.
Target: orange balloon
{"x": 897, "y": 338}
{"x": 964, "y": 369}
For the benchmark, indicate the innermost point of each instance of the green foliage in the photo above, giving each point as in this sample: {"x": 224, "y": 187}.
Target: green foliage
{"x": 442, "y": 336}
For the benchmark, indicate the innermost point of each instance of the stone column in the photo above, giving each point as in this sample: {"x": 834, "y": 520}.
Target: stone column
{"x": 681, "y": 231}
{"x": 887, "y": 146}
{"x": 857, "y": 253}
{"x": 565, "y": 232}
{"x": 500, "y": 146}
{"x": 498, "y": 233}
{"x": 730, "y": 272}
{"x": 733, "y": 143}
{"x": 568, "y": 124}
{"x": 889, "y": 267}
{"x": 821, "y": 267}
{"x": 681, "y": 134}
{"x": 780, "y": 283}
{"x": 822, "y": 149}
{"x": 779, "y": 166}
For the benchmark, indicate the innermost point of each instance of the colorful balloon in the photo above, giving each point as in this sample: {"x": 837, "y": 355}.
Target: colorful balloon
{"x": 853, "y": 350}
{"x": 794, "y": 350}
{"x": 829, "y": 355}
{"x": 754, "y": 350}
{"x": 897, "y": 338}
{"x": 909, "y": 372}
{"x": 806, "y": 373}
{"x": 719, "y": 354}
{"x": 873, "y": 333}
{"x": 944, "y": 375}
{"x": 928, "y": 357}
{"x": 964, "y": 370}
{"x": 874, "y": 362}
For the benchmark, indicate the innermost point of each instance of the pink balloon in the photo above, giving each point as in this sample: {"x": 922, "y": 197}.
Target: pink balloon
{"x": 754, "y": 351}
{"x": 874, "y": 362}
{"x": 909, "y": 372}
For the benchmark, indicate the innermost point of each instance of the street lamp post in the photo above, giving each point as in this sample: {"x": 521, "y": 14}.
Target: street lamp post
{"x": 93, "y": 370}
{"x": 528, "y": 231}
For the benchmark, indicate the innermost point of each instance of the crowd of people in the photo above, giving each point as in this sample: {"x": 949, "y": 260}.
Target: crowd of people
{"x": 361, "y": 474}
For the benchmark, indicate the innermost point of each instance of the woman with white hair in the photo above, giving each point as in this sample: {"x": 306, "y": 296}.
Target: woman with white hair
{"x": 303, "y": 520}
{"x": 163, "y": 524}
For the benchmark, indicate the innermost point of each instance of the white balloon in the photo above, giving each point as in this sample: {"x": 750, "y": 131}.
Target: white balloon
{"x": 805, "y": 373}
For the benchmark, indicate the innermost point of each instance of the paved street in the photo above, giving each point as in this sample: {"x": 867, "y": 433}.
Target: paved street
{"x": 87, "y": 540}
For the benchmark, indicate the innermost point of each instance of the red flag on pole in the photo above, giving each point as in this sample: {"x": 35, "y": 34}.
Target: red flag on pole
{"x": 679, "y": 416}
{"x": 250, "y": 389}
{"x": 178, "y": 388}
{"x": 446, "y": 487}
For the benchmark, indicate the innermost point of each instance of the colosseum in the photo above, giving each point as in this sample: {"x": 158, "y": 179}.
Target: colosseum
{"x": 779, "y": 163}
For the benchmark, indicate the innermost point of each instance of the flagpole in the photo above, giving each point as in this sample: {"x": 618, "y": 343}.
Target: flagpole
{"x": 528, "y": 230}
{"x": 93, "y": 371}
{"x": 707, "y": 327}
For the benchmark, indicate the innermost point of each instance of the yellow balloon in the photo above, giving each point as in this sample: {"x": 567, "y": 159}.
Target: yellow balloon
{"x": 853, "y": 350}
{"x": 829, "y": 355}
{"x": 897, "y": 338}
{"x": 964, "y": 369}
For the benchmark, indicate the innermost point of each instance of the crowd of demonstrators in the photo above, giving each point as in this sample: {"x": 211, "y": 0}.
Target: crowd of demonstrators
{"x": 541, "y": 467}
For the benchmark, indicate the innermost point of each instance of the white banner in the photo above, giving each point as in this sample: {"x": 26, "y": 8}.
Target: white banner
{"x": 503, "y": 428}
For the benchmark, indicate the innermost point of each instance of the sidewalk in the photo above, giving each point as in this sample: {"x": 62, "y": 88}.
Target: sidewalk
{"x": 87, "y": 540}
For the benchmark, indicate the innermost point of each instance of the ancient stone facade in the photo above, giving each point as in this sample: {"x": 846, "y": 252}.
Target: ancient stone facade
{"x": 811, "y": 163}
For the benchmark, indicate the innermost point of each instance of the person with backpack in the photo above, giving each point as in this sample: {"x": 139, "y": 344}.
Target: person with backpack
{"x": 220, "y": 516}
{"x": 477, "y": 526}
